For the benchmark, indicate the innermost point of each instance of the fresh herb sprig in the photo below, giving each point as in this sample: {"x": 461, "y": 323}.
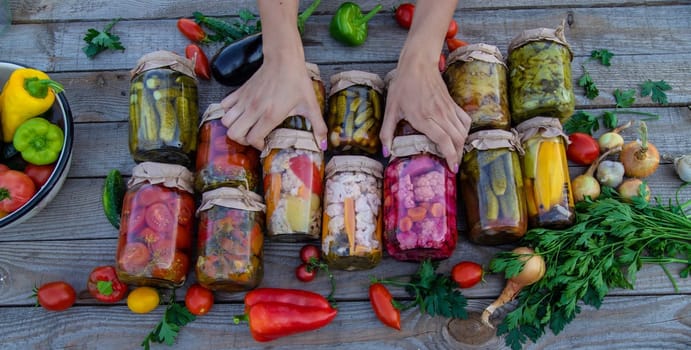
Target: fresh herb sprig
{"x": 166, "y": 331}
{"x": 589, "y": 123}
{"x": 656, "y": 90}
{"x": 586, "y": 81}
{"x": 609, "y": 243}
{"x": 99, "y": 41}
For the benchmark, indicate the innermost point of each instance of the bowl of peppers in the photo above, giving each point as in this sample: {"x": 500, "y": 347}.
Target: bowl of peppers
{"x": 36, "y": 136}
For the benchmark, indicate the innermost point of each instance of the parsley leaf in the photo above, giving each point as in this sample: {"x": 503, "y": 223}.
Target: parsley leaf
{"x": 656, "y": 90}
{"x": 587, "y": 83}
{"x": 166, "y": 331}
{"x": 581, "y": 122}
{"x": 98, "y": 41}
{"x": 602, "y": 55}
{"x": 625, "y": 98}
{"x": 610, "y": 120}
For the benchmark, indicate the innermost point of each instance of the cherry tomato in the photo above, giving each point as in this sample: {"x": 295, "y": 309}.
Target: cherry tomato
{"x": 404, "y": 15}
{"x": 39, "y": 174}
{"x": 143, "y": 300}
{"x": 55, "y": 296}
{"x": 452, "y": 30}
{"x": 185, "y": 209}
{"x": 175, "y": 271}
{"x": 257, "y": 239}
{"x": 201, "y": 62}
{"x": 159, "y": 218}
{"x": 382, "y": 303}
{"x": 304, "y": 273}
{"x": 583, "y": 148}
{"x": 467, "y": 274}
{"x": 453, "y": 43}
{"x": 192, "y": 30}
{"x": 442, "y": 62}
{"x": 16, "y": 188}
{"x": 232, "y": 160}
{"x": 134, "y": 257}
{"x": 183, "y": 237}
{"x": 199, "y": 300}
{"x": 150, "y": 194}
{"x": 309, "y": 251}
{"x": 133, "y": 219}
{"x": 104, "y": 284}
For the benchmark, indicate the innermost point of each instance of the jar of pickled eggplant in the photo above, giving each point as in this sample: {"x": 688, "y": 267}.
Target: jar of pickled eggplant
{"x": 476, "y": 80}
{"x": 546, "y": 173}
{"x": 156, "y": 226}
{"x": 540, "y": 75}
{"x": 299, "y": 122}
{"x": 230, "y": 240}
{"x": 164, "y": 115}
{"x": 293, "y": 167}
{"x": 222, "y": 161}
{"x": 356, "y": 110}
{"x": 419, "y": 201}
{"x": 351, "y": 229}
{"x": 492, "y": 187}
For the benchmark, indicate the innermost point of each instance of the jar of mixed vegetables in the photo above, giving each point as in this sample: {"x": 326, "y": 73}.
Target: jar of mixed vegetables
{"x": 293, "y": 167}
{"x": 163, "y": 109}
{"x": 540, "y": 75}
{"x": 546, "y": 173}
{"x": 230, "y": 240}
{"x": 156, "y": 226}
{"x": 419, "y": 201}
{"x": 476, "y": 80}
{"x": 351, "y": 229}
{"x": 299, "y": 122}
{"x": 222, "y": 161}
{"x": 492, "y": 187}
{"x": 355, "y": 113}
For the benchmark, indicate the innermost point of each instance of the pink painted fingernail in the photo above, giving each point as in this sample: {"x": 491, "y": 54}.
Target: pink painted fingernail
{"x": 455, "y": 168}
{"x": 323, "y": 145}
{"x": 385, "y": 151}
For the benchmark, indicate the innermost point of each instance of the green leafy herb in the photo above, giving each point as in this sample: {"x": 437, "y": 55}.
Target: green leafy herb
{"x": 606, "y": 247}
{"x": 98, "y": 41}
{"x": 582, "y": 122}
{"x": 166, "y": 331}
{"x": 610, "y": 120}
{"x": 587, "y": 83}
{"x": 434, "y": 293}
{"x": 625, "y": 98}
{"x": 602, "y": 55}
{"x": 656, "y": 90}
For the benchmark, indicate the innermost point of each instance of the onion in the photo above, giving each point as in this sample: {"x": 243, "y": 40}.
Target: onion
{"x": 631, "y": 188}
{"x": 640, "y": 158}
{"x": 585, "y": 184}
{"x": 682, "y": 165}
{"x": 612, "y": 139}
{"x": 533, "y": 270}
{"x": 610, "y": 173}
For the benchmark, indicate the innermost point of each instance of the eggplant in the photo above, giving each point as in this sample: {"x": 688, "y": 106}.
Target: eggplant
{"x": 236, "y": 62}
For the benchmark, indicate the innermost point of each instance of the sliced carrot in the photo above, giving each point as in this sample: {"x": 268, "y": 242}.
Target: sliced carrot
{"x": 349, "y": 218}
{"x": 405, "y": 224}
{"x": 325, "y": 225}
{"x": 436, "y": 210}
{"x": 274, "y": 192}
{"x": 417, "y": 213}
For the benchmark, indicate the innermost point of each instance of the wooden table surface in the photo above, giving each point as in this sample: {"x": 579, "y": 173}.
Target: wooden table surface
{"x": 651, "y": 39}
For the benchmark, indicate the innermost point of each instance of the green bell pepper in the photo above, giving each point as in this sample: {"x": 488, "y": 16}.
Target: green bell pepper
{"x": 349, "y": 26}
{"x": 39, "y": 141}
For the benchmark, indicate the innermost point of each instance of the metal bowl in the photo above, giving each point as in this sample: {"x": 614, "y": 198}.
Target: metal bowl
{"x": 60, "y": 115}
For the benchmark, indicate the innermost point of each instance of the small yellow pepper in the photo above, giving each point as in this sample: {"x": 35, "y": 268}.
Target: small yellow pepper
{"x": 27, "y": 93}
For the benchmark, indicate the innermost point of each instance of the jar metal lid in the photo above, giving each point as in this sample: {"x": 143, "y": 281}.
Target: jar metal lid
{"x": 344, "y": 80}
{"x": 493, "y": 139}
{"x": 161, "y": 59}
{"x": 231, "y": 197}
{"x": 539, "y": 34}
{"x": 169, "y": 175}
{"x": 480, "y": 52}
{"x": 354, "y": 164}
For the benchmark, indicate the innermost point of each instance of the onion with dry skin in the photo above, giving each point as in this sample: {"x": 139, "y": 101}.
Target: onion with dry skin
{"x": 640, "y": 158}
{"x": 612, "y": 139}
{"x": 632, "y": 188}
{"x": 585, "y": 184}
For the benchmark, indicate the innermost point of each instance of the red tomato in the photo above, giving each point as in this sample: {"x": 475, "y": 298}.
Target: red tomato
{"x": 150, "y": 194}
{"x": 257, "y": 239}
{"x": 467, "y": 274}
{"x": 309, "y": 251}
{"x": 104, "y": 284}
{"x": 453, "y": 43}
{"x": 224, "y": 162}
{"x": 16, "y": 188}
{"x": 307, "y": 172}
{"x": 404, "y": 15}
{"x": 583, "y": 148}
{"x": 201, "y": 62}
{"x": 148, "y": 236}
{"x": 304, "y": 273}
{"x": 175, "y": 271}
{"x": 55, "y": 296}
{"x": 183, "y": 237}
{"x": 184, "y": 207}
{"x": 134, "y": 257}
{"x": 452, "y": 30}
{"x": 442, "y": 62}
{"x": 192, "y": 30}
{"x": 199, "y": 300}
{"x": 39, "y": 174}
{"x": 382, "y": 303}
{"x": 159, "y": 218}
{"x": 133, "y": 219}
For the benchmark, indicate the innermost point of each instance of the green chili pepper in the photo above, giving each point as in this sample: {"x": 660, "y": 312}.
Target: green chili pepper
{"x": 349, "y": 26}
{"x": 39, "y": 141}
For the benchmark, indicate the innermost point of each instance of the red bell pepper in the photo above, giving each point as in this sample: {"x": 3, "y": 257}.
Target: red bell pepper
{"x": 308, "y": 172}
{"x": 105, "y": 286}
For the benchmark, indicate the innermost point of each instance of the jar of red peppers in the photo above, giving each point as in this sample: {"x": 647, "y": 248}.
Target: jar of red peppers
{"x": 163, "y": 109}
{"x": 230, "y": 240}
{"x": 546, "y": 173}
{"x": 351, "y": 229}
{"x": 419, "y": 201}
{"x": 293, "y": 167}
{"x": 156, "y": 226}
{"x": 222, "y": 161}
{"x": 299, "y": 122}
{"x": 492, "y": 187}
{"x": 476, "y": 79}
{"x": 356, "y": 109}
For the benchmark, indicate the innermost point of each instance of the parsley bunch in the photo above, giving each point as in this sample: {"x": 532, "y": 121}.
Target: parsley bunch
{"x": 168, "y": 328}
{"x": 98, "y": 41}
{"x": 606, "y": 247}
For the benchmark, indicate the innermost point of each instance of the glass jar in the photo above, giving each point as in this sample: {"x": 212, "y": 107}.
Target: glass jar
{"x": 492, "y": 187}
{"x": 299, "y": 122}
{"x": 164, "y": 113}
{"x": 540, "y": 75}
{"x": 351, "y": 229}
{"x": 156, "y": 226}
{"x": 546, "y": 173}
{"x": 293, "y": 168}
{"x": 476, "y": 79}
{"x": 419, "y": 201}
{"x": 222, "y": 161}
{"x": 230, "y": 240}
{"x": 356, "y": 110}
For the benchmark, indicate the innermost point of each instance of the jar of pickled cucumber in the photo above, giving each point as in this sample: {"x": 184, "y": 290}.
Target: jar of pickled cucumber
{"x": 476, "y": 80}
{"x": 230, "y": 240}
{"x": 546, "y": 173}
{"x": 222, "y": 161}
{"x": 293, "y": 168}
{"x": 419, "y": 201}
{"x": 156, "y": 226}
{"x": 163, "y": 109}
{"x": 299, "y": 122}
{"x": 356, "y": 109}
{"x": 352, "y": 224}
{"x": 540, "y": 75}
{"x": 492, "y": 187}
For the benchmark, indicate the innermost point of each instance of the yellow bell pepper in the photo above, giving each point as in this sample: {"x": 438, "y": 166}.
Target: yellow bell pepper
{"x": 27, "y": 93}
